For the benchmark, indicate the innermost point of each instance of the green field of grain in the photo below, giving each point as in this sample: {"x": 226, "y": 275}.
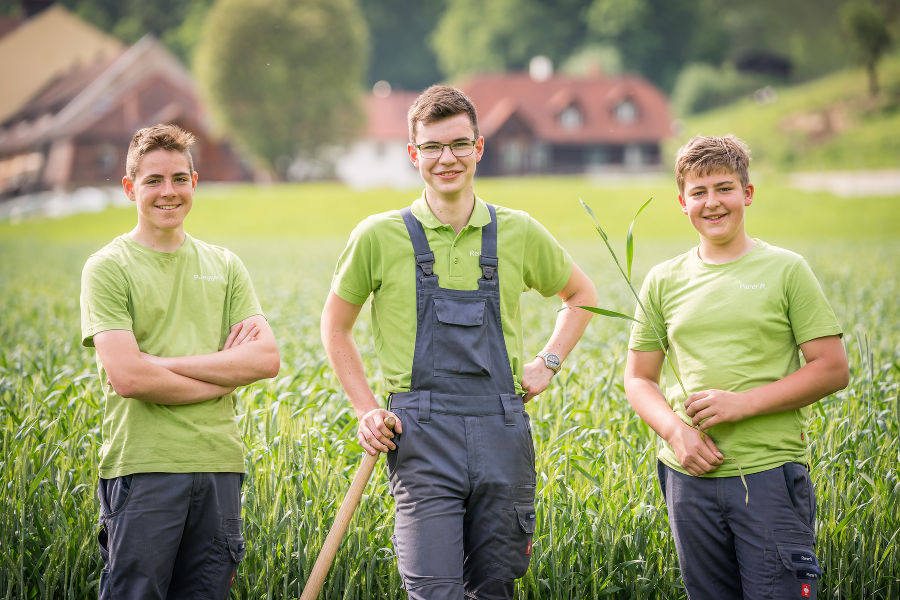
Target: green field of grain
{"x": 601, "y": 529}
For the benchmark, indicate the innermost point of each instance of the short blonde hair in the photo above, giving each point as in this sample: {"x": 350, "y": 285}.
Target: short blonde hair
{"x": 158, "y": 137}
{"x": 709, "y": 154}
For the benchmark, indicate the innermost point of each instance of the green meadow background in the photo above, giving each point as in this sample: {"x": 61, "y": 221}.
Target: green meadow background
{"x": 602, "y": 528}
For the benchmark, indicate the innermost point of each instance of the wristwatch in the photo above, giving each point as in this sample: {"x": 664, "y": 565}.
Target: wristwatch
{"x": 550, "y": 360}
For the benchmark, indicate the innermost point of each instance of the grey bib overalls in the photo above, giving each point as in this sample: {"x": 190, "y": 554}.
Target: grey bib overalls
{"x": 463, "y": 472}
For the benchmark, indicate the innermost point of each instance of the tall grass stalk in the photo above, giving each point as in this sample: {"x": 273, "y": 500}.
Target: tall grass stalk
{"x": 629, "y": 251}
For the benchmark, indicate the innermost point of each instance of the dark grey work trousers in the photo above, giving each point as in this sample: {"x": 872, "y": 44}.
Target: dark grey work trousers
{"x": 464, "y": 481}
{"x": 170, "y": 535}
{"x": 732, "y": 550}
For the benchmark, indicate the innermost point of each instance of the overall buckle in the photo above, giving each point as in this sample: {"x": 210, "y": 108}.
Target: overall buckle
{"x": 425, "y": 260}
{"x": 488, "y": 266}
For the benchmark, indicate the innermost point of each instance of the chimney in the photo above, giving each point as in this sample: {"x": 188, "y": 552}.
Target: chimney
{"x": 540, "y": 68}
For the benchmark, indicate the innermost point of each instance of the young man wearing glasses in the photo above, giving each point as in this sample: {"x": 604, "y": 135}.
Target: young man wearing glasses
{"x": 446, "y": 275}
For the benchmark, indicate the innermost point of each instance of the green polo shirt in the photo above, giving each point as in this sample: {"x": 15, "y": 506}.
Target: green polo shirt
{"x": 378, "y": 260}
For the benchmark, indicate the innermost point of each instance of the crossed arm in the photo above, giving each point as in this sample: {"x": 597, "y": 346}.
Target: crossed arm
{"x": 249, "y": 354}
{"x": 825, "y": 372}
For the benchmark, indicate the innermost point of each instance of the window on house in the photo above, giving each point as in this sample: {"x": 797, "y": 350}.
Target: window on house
{"x": 513, "y": 156}
{"x": 107, "y": 158}
{"x": 540, "y": 157}
{"x": 597, "y": 156}
{"x": 626, "y": 112}
{"x": 571, "y": 118}
{"x": 633, "y": 156}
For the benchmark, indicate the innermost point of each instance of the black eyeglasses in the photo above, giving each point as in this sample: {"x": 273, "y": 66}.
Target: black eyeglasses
{"x": 459, "y": 148}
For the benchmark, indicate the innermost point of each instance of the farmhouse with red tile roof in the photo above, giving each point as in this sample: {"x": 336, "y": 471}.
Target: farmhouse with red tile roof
{"x": 565, "y": 124}
{"x": 72, "y": 125}
{"x": 554, "y": 125}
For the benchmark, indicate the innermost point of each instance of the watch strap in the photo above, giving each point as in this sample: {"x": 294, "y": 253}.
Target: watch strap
{"x": 547, "y": 362}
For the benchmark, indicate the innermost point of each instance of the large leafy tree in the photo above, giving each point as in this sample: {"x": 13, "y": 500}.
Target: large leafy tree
{"x": 284, "y": 76}
{"x": 177, "y": 23}
{"x": 869, "y": 34}
{"x": 473, "y": 35}
{"x": 399, "y": 52}
{"x": 658, "y": 38}
{"x": 654, "y": 37}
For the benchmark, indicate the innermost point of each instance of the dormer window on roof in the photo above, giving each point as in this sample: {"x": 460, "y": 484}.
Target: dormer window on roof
{"x": 571, "y": 117}
{"x": 626, "y": 112}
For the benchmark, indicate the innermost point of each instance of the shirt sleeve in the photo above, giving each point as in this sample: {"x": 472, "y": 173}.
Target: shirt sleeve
{"x": 105, "y": 300}
{"x": 357, "y": 274}
{"x": 242, "y": 299}
{"x": 652, "y": 324}
{"x": 547, "y": 266}
{"x": 810, "y": 314}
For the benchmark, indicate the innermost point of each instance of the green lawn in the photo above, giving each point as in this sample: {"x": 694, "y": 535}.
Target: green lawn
{"x": 330, "y": 210}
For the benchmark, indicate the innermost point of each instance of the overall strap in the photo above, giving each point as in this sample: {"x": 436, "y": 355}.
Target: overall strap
{"x": 488, "y": 260}
{"x": 424, "y": 256}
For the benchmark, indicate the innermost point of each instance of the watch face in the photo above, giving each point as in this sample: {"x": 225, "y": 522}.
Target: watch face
{"x": 551, "y": 360}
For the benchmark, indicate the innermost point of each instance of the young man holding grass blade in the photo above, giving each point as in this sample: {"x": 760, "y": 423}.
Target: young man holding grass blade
{"x": 732, "y": 313}
{"x": 177, "y": 328}
{"x": 446, "y": 276}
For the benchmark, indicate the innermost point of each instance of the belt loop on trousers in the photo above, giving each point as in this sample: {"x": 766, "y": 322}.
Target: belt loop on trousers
{"x": 424, "y": 406}
{"x": 507, "y": 401}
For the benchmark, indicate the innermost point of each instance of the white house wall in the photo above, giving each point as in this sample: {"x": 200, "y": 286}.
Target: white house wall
{"x": 371, "y": 164}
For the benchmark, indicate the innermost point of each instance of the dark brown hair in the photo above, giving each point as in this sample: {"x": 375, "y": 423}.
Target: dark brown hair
{"x": 440, "y": 102}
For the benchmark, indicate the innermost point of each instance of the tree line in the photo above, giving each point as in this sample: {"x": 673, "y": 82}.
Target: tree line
{"x": 285, "y": 76}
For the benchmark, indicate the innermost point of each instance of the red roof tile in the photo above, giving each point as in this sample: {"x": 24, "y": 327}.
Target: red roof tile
{"x": 387, "y": 116}
{"x": 498, "y": 97}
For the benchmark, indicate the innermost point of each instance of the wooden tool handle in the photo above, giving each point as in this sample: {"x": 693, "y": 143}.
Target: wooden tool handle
{"x": 341, "y": 522}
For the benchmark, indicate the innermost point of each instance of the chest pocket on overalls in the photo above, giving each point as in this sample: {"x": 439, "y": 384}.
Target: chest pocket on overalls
{"x": 460, "y": 345}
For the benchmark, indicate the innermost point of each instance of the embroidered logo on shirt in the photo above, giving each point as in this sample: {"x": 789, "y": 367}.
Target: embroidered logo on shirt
{"x": 208, "y": 277}
{"x": 751, "y": 286}
{"x": 474, "y": 252}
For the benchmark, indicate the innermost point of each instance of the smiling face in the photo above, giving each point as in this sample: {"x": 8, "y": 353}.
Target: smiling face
{"x": 715, "y": 203}
{"x": 447, "y": 178}
{"x": 163, "y": 190}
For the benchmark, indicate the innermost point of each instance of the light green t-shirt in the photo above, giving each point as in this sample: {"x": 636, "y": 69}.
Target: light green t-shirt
{"x": 177, "y": 304}
{"x": 379, "y": 260}
{"x": 734, "y": 327}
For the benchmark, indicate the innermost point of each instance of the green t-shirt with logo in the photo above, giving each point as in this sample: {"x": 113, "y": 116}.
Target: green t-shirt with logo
{"x": 378, "y": 260}
{"x": 177, "y": 304}
{"x": 734, "y": 327}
